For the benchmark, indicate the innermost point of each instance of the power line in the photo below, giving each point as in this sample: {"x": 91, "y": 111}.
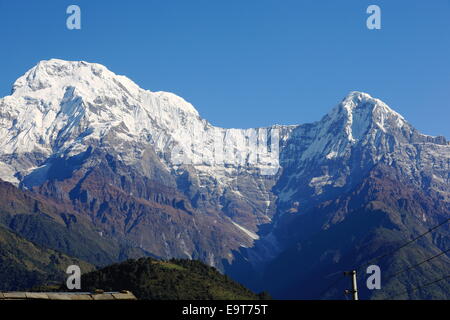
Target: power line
{"x": 416, "y": 265}
{"x": 420, "y": 287}
{"x": 392, "y": 252}
{"x": 331, "y": 285}
{"x": 404, "y": 245}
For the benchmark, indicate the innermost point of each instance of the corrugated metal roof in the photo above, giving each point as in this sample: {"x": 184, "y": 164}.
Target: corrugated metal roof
{"x": 122, "y": 295}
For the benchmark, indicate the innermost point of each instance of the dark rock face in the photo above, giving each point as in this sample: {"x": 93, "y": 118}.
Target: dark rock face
{"x": 379, "y": 215}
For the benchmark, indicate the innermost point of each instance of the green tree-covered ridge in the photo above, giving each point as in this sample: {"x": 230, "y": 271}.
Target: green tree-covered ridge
{"x": 175, "y": 279}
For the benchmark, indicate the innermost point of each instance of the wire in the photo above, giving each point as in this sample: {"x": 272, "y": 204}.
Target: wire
{"x": 394, "y": 251}
{"x": 416, "y": 265}
{"x": 404, "y": 245}
{"x": 331, "y": 285}
{"x": 420, "y": 287}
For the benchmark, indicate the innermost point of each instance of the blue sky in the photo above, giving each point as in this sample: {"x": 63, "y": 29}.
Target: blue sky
{"x": 249, "y": 63}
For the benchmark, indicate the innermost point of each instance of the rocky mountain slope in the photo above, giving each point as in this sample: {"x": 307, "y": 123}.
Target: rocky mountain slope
{"x": 379, "y": 215}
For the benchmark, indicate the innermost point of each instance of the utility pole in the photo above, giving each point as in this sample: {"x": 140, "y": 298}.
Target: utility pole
{"x": 354, "y": 290}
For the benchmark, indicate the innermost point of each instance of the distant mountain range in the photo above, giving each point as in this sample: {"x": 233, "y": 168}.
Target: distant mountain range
{"x": 101, "y": 170}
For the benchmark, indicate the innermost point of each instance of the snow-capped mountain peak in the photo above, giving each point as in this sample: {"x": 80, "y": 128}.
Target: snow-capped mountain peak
{"x": 358, "y": 119}
{"x": 63, "y": 107}
{"x": 91, "y": 81}
{"x": 57, "y": 97}
{"x": 362, "y": 112}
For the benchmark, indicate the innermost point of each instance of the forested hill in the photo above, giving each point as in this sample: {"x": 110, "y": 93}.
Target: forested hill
{"x": 24, "y": 264}
{"x": 173, "y": 279}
